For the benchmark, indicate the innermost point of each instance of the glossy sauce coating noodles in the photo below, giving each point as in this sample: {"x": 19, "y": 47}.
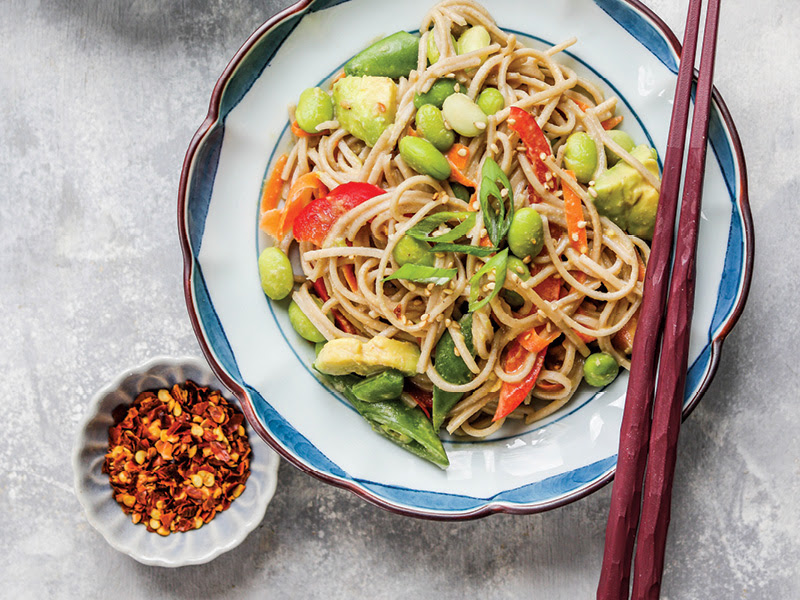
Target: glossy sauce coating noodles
{"x": 572, "y": 298}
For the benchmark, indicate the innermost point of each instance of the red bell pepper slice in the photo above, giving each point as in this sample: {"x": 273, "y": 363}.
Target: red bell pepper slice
{"x": 341, "y": 322}
{"x": 535, "y": 142}
{"x": 316, "y": 219}
{"x": 513, "y": 394}
{"x": 423, "y": 398}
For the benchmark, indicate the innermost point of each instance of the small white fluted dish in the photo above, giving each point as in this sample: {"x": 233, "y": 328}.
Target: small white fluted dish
{"x": 228, "y": 528}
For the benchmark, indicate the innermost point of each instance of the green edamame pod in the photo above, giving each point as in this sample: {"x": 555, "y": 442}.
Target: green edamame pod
{"x": 460, "y": 191}
{"x": 303, "y": 325}
{"x": 526, "y": 233}
{"x": 464, "y": 116}
{"x": 491, "y": 101}
{"x": 313, "y": 107}
{"x": 600, "y": 369}
{"x": 275, "y": 270}
{"x": 430, "y": 124}
{"x": 433, "y": 49}
{"x": 624, "y": 140}
{"x": 409, "y": 250}
{"x": 441, "y": 89}
{"x": 424, "y": 158}
{"x": 383, "y": 386}
{"x": 517, "y": 267}
{"x": 394, "y": 56}
{"x": 453, "y": 369}
{"x": 407, "y": 427}
{"x": 580, "y": 156}
{"x": 473, "y": 39}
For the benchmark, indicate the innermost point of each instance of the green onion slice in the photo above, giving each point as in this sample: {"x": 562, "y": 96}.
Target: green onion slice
{"x": 423, "y": 274}
{"x": 498, "y": 263}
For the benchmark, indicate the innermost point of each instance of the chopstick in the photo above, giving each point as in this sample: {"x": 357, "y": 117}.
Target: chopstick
{"x": 636, "y": 421}
{"x": 652, "y": 537}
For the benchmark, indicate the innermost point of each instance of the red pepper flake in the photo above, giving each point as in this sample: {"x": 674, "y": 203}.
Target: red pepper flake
{"x": 177, "y": 457}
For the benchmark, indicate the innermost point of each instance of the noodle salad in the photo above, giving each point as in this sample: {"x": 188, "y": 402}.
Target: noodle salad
{"x": 472, "y": 228}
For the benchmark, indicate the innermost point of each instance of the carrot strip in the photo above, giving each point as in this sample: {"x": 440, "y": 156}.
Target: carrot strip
{"x": 458, "y": 163}
{"x": 304, "y": 190}
{"x": 410, "y": 131}
{"x": 271, "y": 192}
{"x": 623, "y": 339}
{"x": 612, "y": 122}
{"x": 574, "y": 214}
{"x": 581, "y": 104}
{"x": 532, "y": 341}
{"x": 350, "y": 276}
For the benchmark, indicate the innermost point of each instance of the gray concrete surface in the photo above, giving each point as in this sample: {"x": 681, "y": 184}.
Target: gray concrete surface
{"x": 98, "y": 101}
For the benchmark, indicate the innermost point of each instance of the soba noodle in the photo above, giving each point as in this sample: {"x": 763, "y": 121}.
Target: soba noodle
{"x": 602, "y": 288}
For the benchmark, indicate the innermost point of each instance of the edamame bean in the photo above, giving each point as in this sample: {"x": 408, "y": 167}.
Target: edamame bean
{"x": 430, "y": 124}
{"x": 424, "y": 158}
{"x": 277, "y": 279}
{"x": 624, "y": 140}
{"x": 491, "y": 101}
{"x": 600, "y": 369}
{"x": 460, "y": 191}
{"x": 474, "y": 39}
{"x": 464, "y": 116}
{"x": 526, "y": 234}
{"x": 517, "y": 267}
{"x": 303, "y": 325}
{"x": 433, "y": 49}
{"x": 441, "y": 89}
{"x": 313, "y": 108}
{"x": 412, "y": 251}
{"x": 580, "y": 156}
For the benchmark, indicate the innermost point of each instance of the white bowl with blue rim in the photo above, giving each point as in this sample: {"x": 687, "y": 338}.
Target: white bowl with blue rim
{"x": 247, "y": 339}
{"x": 194, "y": 547}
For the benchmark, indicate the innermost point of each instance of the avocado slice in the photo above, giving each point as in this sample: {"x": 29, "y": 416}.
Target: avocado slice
{"x": 365, "y": 106}
{"x": 349, "y": 355}
{"x": 625, "y": 197}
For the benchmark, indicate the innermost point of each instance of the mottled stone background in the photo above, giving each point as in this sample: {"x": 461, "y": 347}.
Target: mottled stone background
{"x": 98, "y": 101}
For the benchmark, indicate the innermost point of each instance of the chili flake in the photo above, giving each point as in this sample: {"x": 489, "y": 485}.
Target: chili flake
{"x": 177, "y": 457}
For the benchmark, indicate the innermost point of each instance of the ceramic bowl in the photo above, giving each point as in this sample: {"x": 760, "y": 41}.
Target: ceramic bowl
{"x": 223, "y": 533}
{"x": 625, "y": 49}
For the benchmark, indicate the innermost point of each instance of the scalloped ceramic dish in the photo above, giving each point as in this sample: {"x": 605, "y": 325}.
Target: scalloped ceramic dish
{"x": 251, "y": 346}
{"x": 226, "y": 531}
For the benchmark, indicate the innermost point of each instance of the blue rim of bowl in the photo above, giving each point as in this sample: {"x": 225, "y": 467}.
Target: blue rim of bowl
{"x": 658, "y": 38}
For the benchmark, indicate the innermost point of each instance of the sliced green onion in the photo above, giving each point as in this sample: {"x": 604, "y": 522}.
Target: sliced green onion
{"x": 498, "y": 263}
{"x": 496, "y": 220}
{"x": 423, "y": 274}
{"x": 422, "y": 230}
{"x": 465, "y": 249}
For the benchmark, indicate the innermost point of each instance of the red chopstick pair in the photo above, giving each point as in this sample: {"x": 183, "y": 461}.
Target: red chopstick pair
{"x": 649, "y": 432}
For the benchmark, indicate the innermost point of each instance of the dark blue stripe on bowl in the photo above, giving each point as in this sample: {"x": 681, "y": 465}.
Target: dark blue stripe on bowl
{"x": 639, "y": 27}
{"x": 202, "y": 185}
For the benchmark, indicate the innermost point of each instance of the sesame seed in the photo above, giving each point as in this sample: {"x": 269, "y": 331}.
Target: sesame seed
{"x": 429, "y": 286}
{"x": 581, "y": 224}
{"x": 456, "y": 352}
{"x": 548, "y": 176}
{"x": 512, "y": 121}
{"x": 480, "y": 125}
{"x": 519, "y": 269}
{"x": 542, "y": 156}
{"x": 504, "y": 192}
{"x": 412, "y": 287}
{"x": 447, "y": 322}
{"x": 521, "y": 148}
{"x": 352, "y": 257}
{"x": 494, "y": 148}
{"x": 593, "y": 192}
{"x": 526, "y": 260}
{"x": 403, "y": 319}
{"x": 424, "y": 317}
{"x": 591, "y": 183}
{"x": 427, "y": 292}
{"x": 373, "y": 314}
{"x": 490, "y": 286}
{"x": 483, "y": 231}
{"x": 559, "y": 193}
{"x": 457, "y": 87}
{"x": 463, "y": 152}
{"x": 439, "y": 318}
{"x": 574, "y": 237}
